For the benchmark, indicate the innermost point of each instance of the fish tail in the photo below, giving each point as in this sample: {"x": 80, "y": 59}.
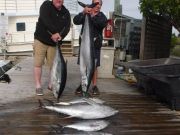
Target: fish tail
{"x": 56, "y": 129}
{"x": 86, "y": 94}
{"x": 6, "y": 78}
{"x": 41, "y": 105}
{"x": 81, "y": 4}
{"x": 61, "y": 128}
{"x": 90, "y": 6}
{"x": 58, "y": 99}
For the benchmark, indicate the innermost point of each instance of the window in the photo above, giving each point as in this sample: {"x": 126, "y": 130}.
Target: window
{"x": 20, "y": 27}
{"x": 2, "y": 14}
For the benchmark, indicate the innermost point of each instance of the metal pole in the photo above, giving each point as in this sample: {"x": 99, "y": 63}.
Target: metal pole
{"x": 5, "y": 50}
{"x": 16, "y": 6}
{"x": 120, "y": 30}
{"x": 5, "y": 6}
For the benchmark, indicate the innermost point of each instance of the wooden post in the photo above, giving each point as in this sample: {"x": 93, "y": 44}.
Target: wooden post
{"x": 143, "y": 34}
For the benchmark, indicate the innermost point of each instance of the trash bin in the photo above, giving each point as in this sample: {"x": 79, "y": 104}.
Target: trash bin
{"x": 143, "y": 67}
{"x": 107, "y": 61}
{"x": 159, "y": 77}
{"x": 165, "y": 82}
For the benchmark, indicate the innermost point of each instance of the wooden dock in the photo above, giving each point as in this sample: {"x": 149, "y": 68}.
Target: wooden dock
{"x": 138, "y": 114}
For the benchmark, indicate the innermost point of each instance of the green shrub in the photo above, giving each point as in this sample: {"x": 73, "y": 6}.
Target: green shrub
{"x": 176, "y": 51}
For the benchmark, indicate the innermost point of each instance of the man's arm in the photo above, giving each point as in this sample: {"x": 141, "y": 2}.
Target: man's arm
{"x": 45, "y": 17}
{"x": 79, "y": 19}
{"x": 99, "y": 21}
{"x": 67, "y": 26}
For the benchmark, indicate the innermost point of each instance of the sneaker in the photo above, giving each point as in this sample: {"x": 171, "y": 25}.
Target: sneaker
{"x": 95, "y": 90}
{"x": 39, "y": 91}
{"x": 78, "y": 90}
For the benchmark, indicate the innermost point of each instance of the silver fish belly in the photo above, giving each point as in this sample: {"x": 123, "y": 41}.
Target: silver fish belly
{"x": 90, "y": 125}
{"x": 58, "y": 73}
{"x": 85, "y": 111}
{"x": 87, "y": 63}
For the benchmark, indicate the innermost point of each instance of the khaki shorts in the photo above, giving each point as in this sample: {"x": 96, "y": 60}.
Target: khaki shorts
{"x": 43, "y": 52}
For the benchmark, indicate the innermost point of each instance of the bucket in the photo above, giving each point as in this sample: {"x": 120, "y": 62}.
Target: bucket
{"x": 122, "y": 55}
{"x": 128, "y": 57}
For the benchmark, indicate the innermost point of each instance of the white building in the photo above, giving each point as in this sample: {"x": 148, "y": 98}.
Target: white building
{"x": 20, "y": 22}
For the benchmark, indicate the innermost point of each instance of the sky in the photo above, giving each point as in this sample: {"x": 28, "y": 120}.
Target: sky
{"x": 129, "y": 8}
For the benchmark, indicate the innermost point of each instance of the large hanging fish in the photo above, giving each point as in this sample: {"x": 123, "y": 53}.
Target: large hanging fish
{"x": 58, "y": 73}
{"x": 87, "y": 61}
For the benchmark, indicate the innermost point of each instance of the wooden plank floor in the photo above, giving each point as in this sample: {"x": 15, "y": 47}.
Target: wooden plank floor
{"x": 138, "y": 114}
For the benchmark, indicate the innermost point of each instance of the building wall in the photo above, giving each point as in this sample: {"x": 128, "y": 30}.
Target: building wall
{"x": 127, "y": 31}
{"x": 17, "y": 7}
{"x": 27, "y": 11}
{"x": 3, "y": 25}
{"x": 134, "y": 38}
{"x": 28, "y": 34}
{"x": 155, "y": 38}
{"x": 22, "y": 36}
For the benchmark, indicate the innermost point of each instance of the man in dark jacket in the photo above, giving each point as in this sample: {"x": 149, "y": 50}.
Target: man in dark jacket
{"x": 99, "y": 21}
{"x": 52, "y": 26}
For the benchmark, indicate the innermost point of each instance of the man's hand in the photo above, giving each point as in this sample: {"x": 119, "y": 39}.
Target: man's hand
{"x": 87, "y": 10}
{"x": 91, "y": 11}
{"x": 56, "y": 37}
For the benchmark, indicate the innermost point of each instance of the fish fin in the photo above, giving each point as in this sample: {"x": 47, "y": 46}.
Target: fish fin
{"x": 57, "y": 129}
{"x": 63, "y": 103}
{"x": 68, "y": 117}
{"x": 90, "y": 101}
{"x": 97, "y": 100}
{"x": 61, "y": 128}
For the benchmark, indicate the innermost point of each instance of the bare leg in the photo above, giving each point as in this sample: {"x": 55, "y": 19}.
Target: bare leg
{"x": 37, "y": 76}
{"x": 50, "y": 85}
{"x": 95, "y": 90}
